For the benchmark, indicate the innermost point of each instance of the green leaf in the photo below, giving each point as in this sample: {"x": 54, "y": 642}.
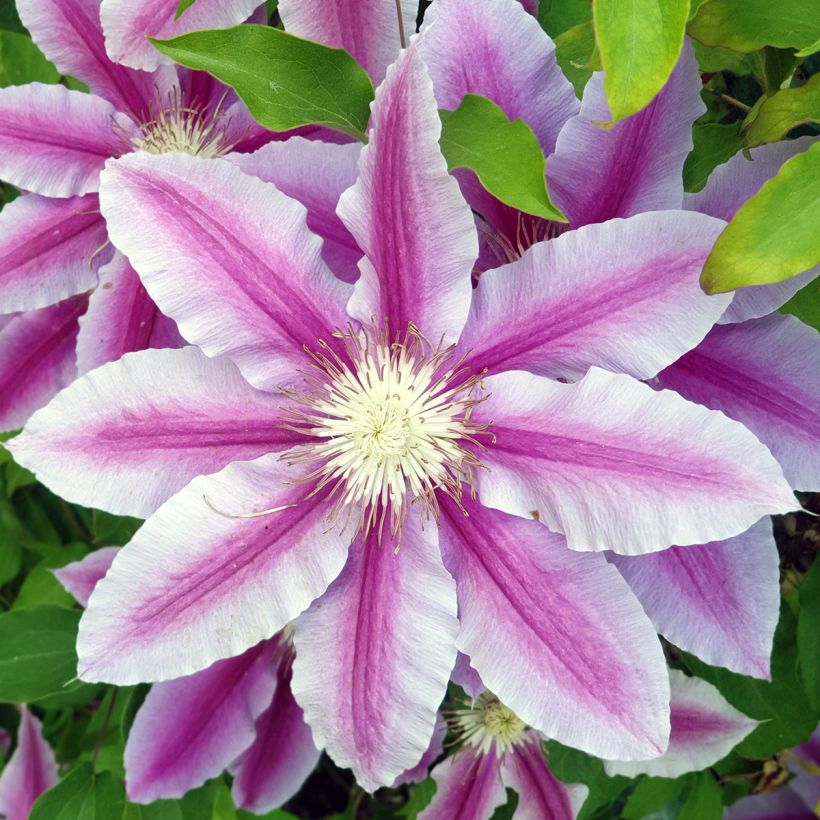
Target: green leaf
{"x": 774, "y": 235}
{"x": 22, "y": 62}
{"x": 41, "y": 586}
{"x": 420, "y": 799}
{"x": 195, "y": 805}
{"x": 505, "y": 155}
{"x": 714, "y": 144}
{"x": 712, "y": 60}
{"x": 558, "y": 16}
{"x": 782, "y": 704}
{"x": 82, "y": 795}
{"x": 37, "y": 655}
{"x": 775, "y": 116}
{"x": 112, "y": 530}
{"x": 9, "y": 19}
{"x": 650, "y": 795}
{"x": 805, "y": 304}
{"x": 808, "y": 633}
{"x": 703, "y": 800}
{"x": 640, "y": 41}
{"x": 285, "y": 81}
{"x": 577, "y": 54}
{"x": 183, "y": 6}
{"x": 747, "y": 25}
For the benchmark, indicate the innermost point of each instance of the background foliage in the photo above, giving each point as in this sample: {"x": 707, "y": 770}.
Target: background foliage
{"x": 759, "y": 61}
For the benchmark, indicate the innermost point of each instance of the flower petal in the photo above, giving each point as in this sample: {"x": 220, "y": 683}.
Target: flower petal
{"x": 121, "y": 318}
{"x": 281, "y": 756}
{"x": 705, "y": 728}
{"x": 434, "y": 751}
{"x": 720, "y": 601}
{"x": 614, "y": 465}
{"x": 80, "y": 577}
{"x": 783, "y": 804}
{"x": 59, "y": 162}
{"x": 407, "y": 215}
{"x": 166, "y": 416}
{"x": 189, "y": 729}
{"x": 368, "y": 29}
{"x": 766, "y": 374}
{"x": 70, "y": 35}
{"x": 636, "y": 165}
{"x": 373, "y": 657}
{"x": 31, "y": 770}
{"x": 36, "y": 358}
{"x": 729, "y": 186}
{"x": 186, "y": 591}
{"x": 468, "y": 784}
{"x": 496, "y": 49}
{"x": 541, "y": 795}
{"x": 624, "y": 295}
{"x": 333, "y": 169}
{"x": 247, "y": 281}
{"x": 128, "y": 24}
{"x": 466, "y": 677}
{"x": 555, "y": 634}
{"x": 47, "y": 250}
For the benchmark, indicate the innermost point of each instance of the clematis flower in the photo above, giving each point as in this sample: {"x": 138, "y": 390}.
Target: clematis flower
{"x": 346, "y": 429}
{"x": 54, "y": 244}
{"x": 31, "y": 770}
{"x": 238, "y": 714}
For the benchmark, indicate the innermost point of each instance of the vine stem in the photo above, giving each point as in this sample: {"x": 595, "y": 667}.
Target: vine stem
{"x": 104, "y": 728}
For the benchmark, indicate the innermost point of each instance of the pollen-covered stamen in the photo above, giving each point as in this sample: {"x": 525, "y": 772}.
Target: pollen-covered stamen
{"x": 487, "y": 723}
{"x": 391, "y": 419}
{"x": 172, "y": 126}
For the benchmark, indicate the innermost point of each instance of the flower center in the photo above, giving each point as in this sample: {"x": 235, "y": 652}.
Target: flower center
{"x": 173, "y": 127}
{"x": 487, "y": 723}
{"x": 392, "y": 424}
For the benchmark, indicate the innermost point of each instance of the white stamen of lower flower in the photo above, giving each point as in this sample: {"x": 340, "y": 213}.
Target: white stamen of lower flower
{"x": 487, "y": 723}
{"x": 173, "y": 127}
{"x": 391, "y": 420}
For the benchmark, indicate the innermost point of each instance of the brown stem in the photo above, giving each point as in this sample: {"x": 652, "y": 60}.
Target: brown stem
{"x": 401, "y": 25}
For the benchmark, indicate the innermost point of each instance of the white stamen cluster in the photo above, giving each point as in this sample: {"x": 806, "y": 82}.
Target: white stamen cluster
{"x": 173, "y": 127}
{"x": 391, "y": 419}
{"x": 487, "y": 723}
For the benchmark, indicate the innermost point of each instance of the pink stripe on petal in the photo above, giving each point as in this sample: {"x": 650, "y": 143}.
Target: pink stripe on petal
{"x": 555, "y": 634}
{"x": 168, "y": 415}
{"x": 128, "y": 24}
{"x": 186, "y": 591}
{"x": 70, "y": 35}
{"x": 121, "y": 318}
{"x": 373, "y": 657}
{"x": 783, "y": 804}
{"x": 624, "y": 295}
{"x": 31, "y": 770}
{"x": 367, "y": 29}
{"x": 468, "y": 785}
{"x": 764, "y": 373}
{"x": 247, "y": 278}
{"x": 614, "y": 465}
{"x": 720, "y": 601}
{"x": 705, "y": 728}
{"x": 541, "y": 795}
{"x": 48, "y": 250}
{"x": 333, "y": 169}
{"x": 80, "y": 577}
{"x": 61, "y": 161}
{"x": 281, "y": 756}
{"x": 598, "y": 173}
{"x": 407, "y": 215}
{"x": 496, "y": 49}
{"x": 190, "y": 729}
{"x": 36, "y": 358}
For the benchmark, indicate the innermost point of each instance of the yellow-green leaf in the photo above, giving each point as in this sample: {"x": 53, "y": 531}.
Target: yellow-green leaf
{"x": 774, "y": 236}
{"x": 778, "y": 114}
{"x": 747, "y": 25}
{"x": 639, "y": 41}
{"x": 577, "y": 54}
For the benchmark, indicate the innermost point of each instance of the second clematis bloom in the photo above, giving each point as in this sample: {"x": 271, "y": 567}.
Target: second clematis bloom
{"x": 383, "y": 460}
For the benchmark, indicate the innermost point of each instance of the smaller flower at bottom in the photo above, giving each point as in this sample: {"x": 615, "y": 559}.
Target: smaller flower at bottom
{"x": 498, "y": 751}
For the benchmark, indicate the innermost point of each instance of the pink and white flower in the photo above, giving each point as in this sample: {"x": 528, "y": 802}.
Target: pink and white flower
{"x": 346, "y": 430}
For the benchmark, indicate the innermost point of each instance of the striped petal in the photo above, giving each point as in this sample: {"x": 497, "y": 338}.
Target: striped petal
{"x": 615, "y": 465}
{"x": 80, "y": 577}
